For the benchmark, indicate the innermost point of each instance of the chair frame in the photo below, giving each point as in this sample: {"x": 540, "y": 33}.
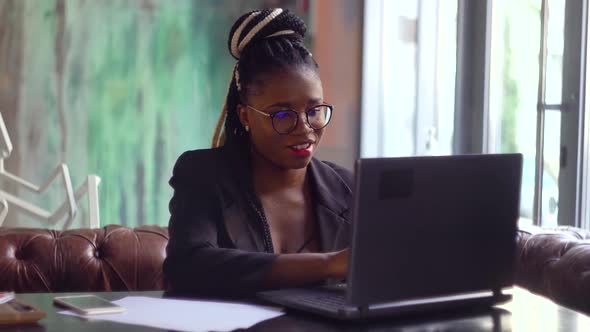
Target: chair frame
{"x": 67, "y": 209}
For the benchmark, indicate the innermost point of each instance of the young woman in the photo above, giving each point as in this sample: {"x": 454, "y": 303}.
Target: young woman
{"x": 257, "y": 211}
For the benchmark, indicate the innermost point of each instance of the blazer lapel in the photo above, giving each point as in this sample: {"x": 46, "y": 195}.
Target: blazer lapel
{"x": 334, "y": 197}
{"x": 244, "y": 235}
{"x": 241, "y": 222}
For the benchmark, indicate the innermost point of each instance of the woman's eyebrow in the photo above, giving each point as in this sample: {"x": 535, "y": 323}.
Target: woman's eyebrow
{"x": 280, "y": 104}
{"x": 313, "y": 102}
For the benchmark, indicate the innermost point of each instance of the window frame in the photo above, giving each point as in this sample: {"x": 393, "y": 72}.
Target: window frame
{"x": 472, "y": 127}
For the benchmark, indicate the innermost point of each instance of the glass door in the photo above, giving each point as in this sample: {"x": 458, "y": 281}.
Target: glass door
{"x": 530, "y": 111}
{"x": 409, "y": 71}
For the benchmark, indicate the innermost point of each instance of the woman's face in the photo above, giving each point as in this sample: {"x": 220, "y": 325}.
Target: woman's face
{"x": 298, "y": 89}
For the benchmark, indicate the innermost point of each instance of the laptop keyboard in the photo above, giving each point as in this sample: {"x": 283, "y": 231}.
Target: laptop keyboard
{"x": 318, "y": 299}
{"x": 326, "y": 301}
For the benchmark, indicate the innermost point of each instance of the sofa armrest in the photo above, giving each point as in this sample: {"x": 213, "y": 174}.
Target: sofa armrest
{"x": 555, "y": 263}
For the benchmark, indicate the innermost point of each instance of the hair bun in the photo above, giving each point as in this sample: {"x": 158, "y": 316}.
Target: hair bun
{"x": 260, "y": 24}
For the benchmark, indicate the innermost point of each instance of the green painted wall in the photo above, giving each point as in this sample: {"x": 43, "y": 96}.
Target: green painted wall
{"x": 117, "y": 88}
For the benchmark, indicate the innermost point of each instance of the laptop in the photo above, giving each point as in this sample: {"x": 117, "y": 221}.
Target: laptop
{"x": 428, "y": 233}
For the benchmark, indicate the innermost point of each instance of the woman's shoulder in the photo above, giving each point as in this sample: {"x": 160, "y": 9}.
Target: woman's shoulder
{"x": 196, "y": 166}
{"x": 330, "y": 170}
{"x": 201, "y": 156}
{"x": 201, "y": 159}
{"x": 344, "y": 172}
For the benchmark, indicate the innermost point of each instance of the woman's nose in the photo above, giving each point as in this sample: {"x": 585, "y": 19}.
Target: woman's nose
{"x": 303, "y": 126}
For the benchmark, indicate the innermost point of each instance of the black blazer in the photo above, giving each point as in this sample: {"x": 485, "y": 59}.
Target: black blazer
{"x": 216, "y": 245}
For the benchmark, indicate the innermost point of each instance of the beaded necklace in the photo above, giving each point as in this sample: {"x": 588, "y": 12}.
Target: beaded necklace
{"x": 268, "y": 246}
{"x": 267, "y": 239}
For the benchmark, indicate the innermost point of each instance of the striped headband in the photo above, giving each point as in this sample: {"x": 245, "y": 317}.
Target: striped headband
{"x": 237, "y": 46}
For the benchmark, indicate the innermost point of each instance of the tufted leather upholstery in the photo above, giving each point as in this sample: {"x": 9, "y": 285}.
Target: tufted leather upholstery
{"x": 113, "y": 258}
{"x": 555, "y": 263}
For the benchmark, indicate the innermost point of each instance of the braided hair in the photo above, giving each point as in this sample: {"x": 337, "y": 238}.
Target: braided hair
{"x": 261, "y": 41}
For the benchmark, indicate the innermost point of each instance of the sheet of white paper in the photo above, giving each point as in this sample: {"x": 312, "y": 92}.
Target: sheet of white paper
{"x": 185, "y": 315}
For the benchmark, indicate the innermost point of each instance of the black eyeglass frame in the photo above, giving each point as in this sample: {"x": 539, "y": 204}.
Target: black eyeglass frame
{"x": 272, "y": 115}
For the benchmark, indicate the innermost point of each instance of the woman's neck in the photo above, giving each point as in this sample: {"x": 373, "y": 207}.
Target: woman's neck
{"x": 269, "y": 178}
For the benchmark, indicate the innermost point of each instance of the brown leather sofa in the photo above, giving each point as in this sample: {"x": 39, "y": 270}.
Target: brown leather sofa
{"x": 553, "y": 263}
{"x": 112, "y": 258}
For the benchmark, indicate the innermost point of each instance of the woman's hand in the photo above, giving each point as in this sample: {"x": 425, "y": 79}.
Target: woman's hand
{"x": 298, "y": 270}
{"x": 338, "y": 264}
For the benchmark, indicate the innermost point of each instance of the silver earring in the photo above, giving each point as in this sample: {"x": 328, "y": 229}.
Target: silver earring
{"x": 247, "y": 128}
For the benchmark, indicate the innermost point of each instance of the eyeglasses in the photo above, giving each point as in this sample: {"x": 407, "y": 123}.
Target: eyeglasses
{"x": 285, "y": 121}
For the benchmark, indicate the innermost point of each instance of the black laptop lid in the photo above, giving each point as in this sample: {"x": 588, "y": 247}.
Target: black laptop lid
{"x": 433, "y": 226}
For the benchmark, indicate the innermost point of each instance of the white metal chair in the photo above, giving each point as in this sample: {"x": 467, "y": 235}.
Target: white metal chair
{"x": 67, "y": 209}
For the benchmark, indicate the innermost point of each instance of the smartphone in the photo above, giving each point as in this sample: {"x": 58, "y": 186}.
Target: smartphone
{"x": 17, "y": 312}
{"x": 88, "y": 304}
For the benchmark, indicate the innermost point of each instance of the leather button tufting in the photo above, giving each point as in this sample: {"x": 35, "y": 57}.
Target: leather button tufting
{"x": 18, "y": 254}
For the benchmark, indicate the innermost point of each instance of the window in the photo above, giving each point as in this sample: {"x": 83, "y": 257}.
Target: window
{"x": 536, "y": 103}
{"x": 514, "y": 94}
{"x": 508, "y": 91}
{"x": 408, "y": 93}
